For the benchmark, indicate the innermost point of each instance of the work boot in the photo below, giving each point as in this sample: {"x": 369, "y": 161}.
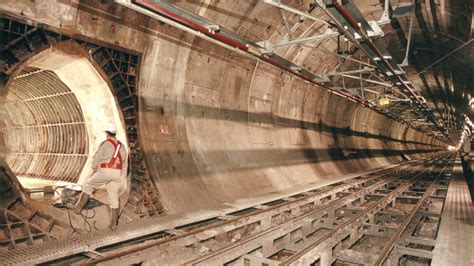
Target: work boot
{"x": 114, "y": 219}
{"x": 80, "y": 204}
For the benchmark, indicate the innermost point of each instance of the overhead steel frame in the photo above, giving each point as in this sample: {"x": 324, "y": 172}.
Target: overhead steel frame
{"x": 196, "y": 25}
{"x": 354, "y": 26}
{"x": 330, "y": 32}
{"x": 372, "y": 30}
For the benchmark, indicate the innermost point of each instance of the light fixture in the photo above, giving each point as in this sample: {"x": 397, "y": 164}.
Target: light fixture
{"x": 384, "y": 101}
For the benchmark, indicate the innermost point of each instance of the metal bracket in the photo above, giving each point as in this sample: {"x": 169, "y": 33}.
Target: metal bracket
{"x": 376, "y": 30}
{"x": 385, "y": 18}
{"x": 267, "y": 47}
{"x": 213, "y": 28}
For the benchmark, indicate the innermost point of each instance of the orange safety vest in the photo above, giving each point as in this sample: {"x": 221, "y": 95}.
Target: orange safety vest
{"x": 116, "y": 160}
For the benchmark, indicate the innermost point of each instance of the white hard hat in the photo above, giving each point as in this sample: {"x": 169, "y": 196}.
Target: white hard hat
{"x": 110, "y": 128}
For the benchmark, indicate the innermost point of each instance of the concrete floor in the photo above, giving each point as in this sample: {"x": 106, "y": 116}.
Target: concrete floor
{"x": 456, "y": 235}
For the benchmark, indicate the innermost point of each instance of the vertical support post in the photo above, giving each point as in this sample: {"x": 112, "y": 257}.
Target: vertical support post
{"x": 326, "y": 257}
{"x": 405, "y": 60}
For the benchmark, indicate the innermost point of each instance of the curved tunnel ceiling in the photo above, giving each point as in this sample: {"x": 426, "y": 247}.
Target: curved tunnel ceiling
{"x": 235, "y": 127}
{"x": 441, "y": 56}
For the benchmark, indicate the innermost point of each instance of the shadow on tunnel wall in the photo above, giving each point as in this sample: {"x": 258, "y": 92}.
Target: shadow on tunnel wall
{"x": 207, "y": 112}
{"x": 260, "y": 158}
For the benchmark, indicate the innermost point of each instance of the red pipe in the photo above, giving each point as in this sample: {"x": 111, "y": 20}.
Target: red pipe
{"x": 346, "y": 14}
{"x": 191, "y": 24}
{"x": 244, "y": 47}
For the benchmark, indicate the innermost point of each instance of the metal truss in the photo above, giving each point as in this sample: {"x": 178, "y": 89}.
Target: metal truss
{"x": 353, "y": 25}
{"x": 269, "y": 48}
{"x": 370, "y": 29}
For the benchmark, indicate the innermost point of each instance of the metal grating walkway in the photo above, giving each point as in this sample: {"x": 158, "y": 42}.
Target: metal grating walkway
{"x": 78, "y": 244}
{"x": 456, "y": 235}
{"x": 90, "y": 241}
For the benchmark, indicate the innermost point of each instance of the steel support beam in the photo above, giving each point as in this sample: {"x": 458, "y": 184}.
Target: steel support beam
{"x": 368, "y": 80}
{"x": 354, "y": 26}
{"x": 362, "y": 71}
{"x": 405, "y": 60}
{"x": 326, "y": 35}
{"x": 277, "y": 3}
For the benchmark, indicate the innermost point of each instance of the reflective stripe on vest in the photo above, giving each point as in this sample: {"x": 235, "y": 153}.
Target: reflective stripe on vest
{"x": 114, "y": 163}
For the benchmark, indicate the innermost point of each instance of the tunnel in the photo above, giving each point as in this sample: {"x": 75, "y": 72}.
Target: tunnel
{"x": 53, "y": 117}
{"x": 256, "y": 132}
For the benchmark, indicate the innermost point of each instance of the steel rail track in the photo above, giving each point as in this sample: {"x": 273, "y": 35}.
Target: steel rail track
{"x": 103, "y": 250}
{"x": 207, "y": 258}
{"x": 241, "y": 221}
{"x": 308, "y": 254}
{"x": 219, "y": 256}
{"x": 421, "y": 202}
{"x": 257, "y": 239}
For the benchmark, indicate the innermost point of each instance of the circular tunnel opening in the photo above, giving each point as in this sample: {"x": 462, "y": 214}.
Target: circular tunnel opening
{"x": 45, "y": 133}
{"x": 56, "y": 108}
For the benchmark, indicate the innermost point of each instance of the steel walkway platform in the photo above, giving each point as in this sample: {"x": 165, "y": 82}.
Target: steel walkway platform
{"x": 455, "y": 242}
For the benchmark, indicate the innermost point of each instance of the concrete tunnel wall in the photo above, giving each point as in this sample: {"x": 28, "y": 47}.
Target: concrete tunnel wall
{"x": 218, "y": 127}
{"x": 233, "y": 128}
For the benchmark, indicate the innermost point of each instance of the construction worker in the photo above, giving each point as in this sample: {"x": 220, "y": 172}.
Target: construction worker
{"x": 110, "y": 167}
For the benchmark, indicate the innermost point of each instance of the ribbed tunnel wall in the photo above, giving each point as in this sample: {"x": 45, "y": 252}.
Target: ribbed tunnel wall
{"x": 45, "y": 133}
{"x": 217, "y": 127}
